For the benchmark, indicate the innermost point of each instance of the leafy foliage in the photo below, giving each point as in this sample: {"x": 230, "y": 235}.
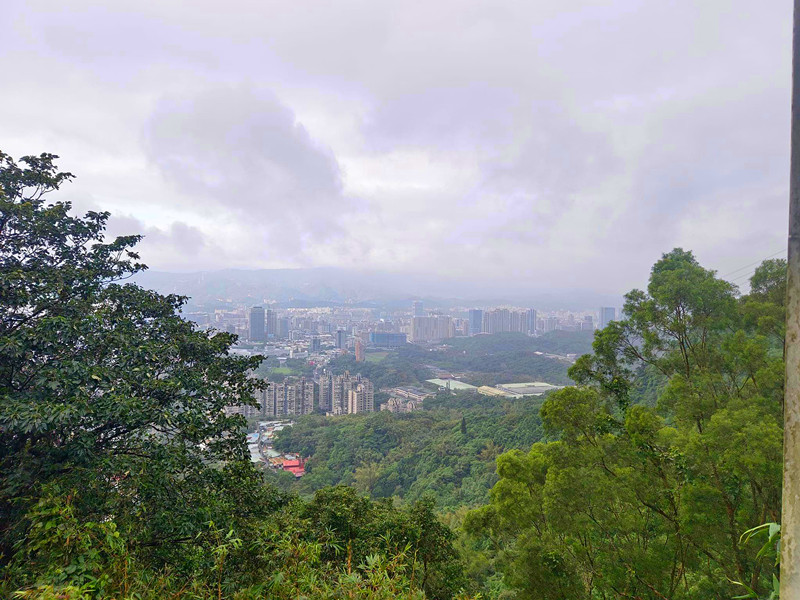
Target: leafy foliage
{"x": 103, "y": 386}
{"x": 636, "y": 501}
{"x": 337, "y": 545}
{"x": 447, "y": 450}
{"x": 121, "y": 473}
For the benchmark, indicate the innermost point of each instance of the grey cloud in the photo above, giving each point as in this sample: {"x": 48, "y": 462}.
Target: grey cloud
{"x": 176, "y": 246}
{"x": 712, "y": 155}
{"x": 448, "y": 118}
{"x": 241, "y": 151}
{"x": 493, "y": 140}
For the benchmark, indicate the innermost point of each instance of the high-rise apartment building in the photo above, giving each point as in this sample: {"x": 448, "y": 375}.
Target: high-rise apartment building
{"x": 360, "y": 350}
{"x": 504, "y": 320}
{"x": 342, "y": 384}
{"x": 336, "y": 394}
{"x": 341, "y": 339}
{"x": 518, "y": 321}
{"x": 432, "y": 328}
{"x": 361, "y": 397}
{"x": 461, "y": 327}
{"x": 272, "y": 323}
{"x": 532, "y": 321}
{"x": 419, "y": 311}
{"x": 290, "y": 397}
{"x": 326, "y": 392}
{"x": 315, "y": 345}
{"x": 282, "y": 328}
{"x": 256, "y": 324}
{"x": 494, "y": 321}
{"x": 550, "y": 324}
{"x": 607, "y": 314}
{"x": 247, "y": 411}
{"x": 475, "y": 321}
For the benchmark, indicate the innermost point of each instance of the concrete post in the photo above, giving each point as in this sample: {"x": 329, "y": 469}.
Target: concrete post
{"x": 790, "y": 519}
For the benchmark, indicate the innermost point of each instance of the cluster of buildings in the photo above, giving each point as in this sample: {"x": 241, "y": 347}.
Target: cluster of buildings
{"x": 431, "y": 328}
{"x": 291, "y": 463}
{"x": 401, "y": 405}
{"x": 290, "y": 397}
{"x": 502, "y": 320}
{"x": 295, "y": 396}
{"x": 405, "y": 399}
{"x": 505, "y": 390}
{"x": 262, "y": 451}
{"x": 303, "y": 333}
{"x": 344, "y": 394}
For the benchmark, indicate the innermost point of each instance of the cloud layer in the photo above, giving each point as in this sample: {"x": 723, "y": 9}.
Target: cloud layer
{"x": 560, "y": 144}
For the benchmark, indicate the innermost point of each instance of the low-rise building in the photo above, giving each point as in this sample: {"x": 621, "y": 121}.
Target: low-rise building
{"x": 401, "y": 405}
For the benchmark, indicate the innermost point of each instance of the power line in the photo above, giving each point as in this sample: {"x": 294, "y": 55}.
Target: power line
{"x": 758, "y": 262}
{"x": 742, "y": 277}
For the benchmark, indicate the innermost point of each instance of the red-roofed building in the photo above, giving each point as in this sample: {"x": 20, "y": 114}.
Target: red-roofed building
{"x": 295, "y": 466}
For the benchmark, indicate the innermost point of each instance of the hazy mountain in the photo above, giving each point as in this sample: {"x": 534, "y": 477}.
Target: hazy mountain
{"x": 335, "y": 286}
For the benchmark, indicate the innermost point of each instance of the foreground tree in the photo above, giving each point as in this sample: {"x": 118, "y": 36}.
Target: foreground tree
{"x": 121, "y": 473}
{"x": 104, "y": 389}
{"x": 635, "y": 501}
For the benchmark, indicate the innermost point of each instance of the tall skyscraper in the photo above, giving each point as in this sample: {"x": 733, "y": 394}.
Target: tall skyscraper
{"x": 257, "y": 324}
{"x": 282, "y": 330}
{"x": 360, "y": 350}
{"x": 475, "y": 321}
{"x": 419, "y": 311}
{"x": 341, "y": 339}
{"x": 607, "y": 314}
{"x": 272, "y": 323}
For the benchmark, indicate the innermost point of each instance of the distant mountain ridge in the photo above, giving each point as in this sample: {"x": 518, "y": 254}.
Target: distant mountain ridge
{"x": 330, "y": 286}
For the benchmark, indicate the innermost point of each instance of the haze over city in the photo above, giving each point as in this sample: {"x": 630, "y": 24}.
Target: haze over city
{"x": 524, "y": 146}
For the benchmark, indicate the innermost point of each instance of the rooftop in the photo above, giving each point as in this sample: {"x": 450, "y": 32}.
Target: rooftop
{"x": 454, "y": 384}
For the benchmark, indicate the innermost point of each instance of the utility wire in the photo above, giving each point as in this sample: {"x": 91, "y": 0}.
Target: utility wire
{"x": 742, "y": 277}
{"x": 758, "y": 262}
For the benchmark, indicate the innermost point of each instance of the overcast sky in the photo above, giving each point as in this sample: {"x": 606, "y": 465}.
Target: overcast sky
{"x": 562, "y": 142}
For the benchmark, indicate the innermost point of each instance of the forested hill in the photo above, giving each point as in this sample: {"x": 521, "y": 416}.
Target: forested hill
{"x": 447, "y": 450}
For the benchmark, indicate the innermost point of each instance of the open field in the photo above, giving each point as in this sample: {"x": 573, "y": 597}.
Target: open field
{"x": 375, "y": 357}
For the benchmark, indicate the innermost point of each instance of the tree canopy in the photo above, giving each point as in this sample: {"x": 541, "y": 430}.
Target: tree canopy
{"x": 121, "y": 473}
{"x": 638, "y": 501}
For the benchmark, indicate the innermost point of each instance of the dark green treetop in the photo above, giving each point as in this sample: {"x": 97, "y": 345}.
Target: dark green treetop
{"x": 103, "y": 387}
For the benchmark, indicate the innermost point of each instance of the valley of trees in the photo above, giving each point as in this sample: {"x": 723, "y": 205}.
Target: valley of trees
{"x": 446, "y": 451}
{"x": 122, "y": 477}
